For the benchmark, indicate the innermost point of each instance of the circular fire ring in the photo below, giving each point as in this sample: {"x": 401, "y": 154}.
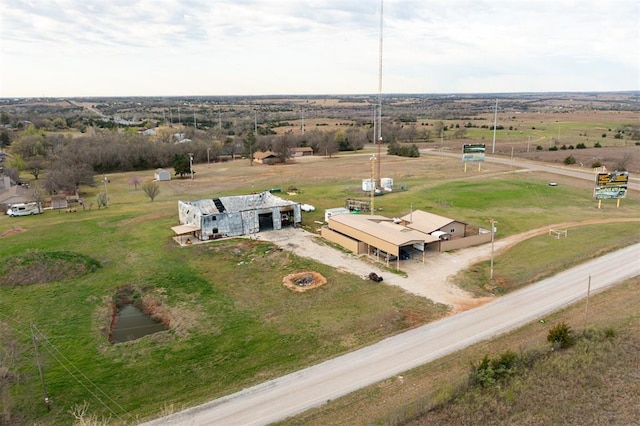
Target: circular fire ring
{"x": 304, "y": 281}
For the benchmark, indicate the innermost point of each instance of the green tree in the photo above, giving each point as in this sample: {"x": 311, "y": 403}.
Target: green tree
{"x": 249, "y": 146}
{"x": 181, "y": 165}
{"x": 561, "y": 336}
{"x": 341, "y": 140}
{"x": 5, "y": 139}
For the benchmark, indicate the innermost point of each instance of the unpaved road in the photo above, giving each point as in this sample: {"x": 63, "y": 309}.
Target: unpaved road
{"x": 294, "y": 393}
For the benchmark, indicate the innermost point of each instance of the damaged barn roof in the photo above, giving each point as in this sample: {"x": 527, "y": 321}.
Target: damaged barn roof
{"x": 238, "y": 203}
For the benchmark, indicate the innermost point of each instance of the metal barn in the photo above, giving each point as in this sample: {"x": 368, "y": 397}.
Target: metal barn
{"x": 234, "y": 216}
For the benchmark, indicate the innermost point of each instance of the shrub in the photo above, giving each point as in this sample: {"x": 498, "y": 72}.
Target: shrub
{"x": 489, "y": 371}
{"x": 596, "y": 164}
{"x": 561, "y": 336}
{"x": 152, "y": 189}
{"x": 553, "y": 148}
{"x": 570, "y": 160}
{"x": 597, "y": 145}
{"x": 581, "y": 146}
{"x": 539, "y": 148}
{"x": 604, "y": 135}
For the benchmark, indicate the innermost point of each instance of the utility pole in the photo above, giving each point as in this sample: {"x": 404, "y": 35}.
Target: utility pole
{"x": 493, "y": 231}
{"x": 44, "y": 387}
{"x": 373, "y": 183}
{"x": 255, "y": 136}
{"x": 495, "y": 125}
{"x": 379, "y": 138}
{"x": 586, "y": 308}
{"x": 106, "y": 194}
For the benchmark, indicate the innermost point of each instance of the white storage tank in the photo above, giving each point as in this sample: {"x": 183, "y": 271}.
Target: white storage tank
{"x": 386, "y": 184}
{"x": 368, "y": 185}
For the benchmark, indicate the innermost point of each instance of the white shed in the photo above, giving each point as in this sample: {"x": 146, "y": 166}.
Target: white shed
{"x": 162, "y": 174}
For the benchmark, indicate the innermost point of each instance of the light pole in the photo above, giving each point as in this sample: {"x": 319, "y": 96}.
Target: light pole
{"x": 106, "y": 194}
{"x": 493, "y": 231}
{"x": 191, "y": 164}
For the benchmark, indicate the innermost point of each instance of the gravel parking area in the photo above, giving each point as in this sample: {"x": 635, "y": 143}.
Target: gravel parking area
{"x": 430, "y": 279}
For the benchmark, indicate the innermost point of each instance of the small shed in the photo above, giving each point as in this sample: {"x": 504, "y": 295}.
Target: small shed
{"x": 301, "y": 151}
{"x": 162, "y": 175}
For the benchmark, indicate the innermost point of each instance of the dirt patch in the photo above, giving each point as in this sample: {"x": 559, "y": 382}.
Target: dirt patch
{"x": 304, "y": 281}
{"x": 36, "y": 267}
{"x": 12, "y": 231}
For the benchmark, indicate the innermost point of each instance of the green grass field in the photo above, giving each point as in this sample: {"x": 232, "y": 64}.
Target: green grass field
{"x": 233, "y": 323}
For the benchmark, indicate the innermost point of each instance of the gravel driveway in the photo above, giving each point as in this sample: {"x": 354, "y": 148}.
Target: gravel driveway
{"x": 430, "y": 279}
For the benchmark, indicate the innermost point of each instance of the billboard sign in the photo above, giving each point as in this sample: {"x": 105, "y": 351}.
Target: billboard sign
{"x": 611, "y": 185}
{"x": 473, "y": 152}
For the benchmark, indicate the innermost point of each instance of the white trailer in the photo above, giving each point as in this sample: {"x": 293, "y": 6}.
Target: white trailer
{"x": 24, "y": 209}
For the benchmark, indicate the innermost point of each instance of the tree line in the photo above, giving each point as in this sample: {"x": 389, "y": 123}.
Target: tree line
{"x": 62, "y": 162}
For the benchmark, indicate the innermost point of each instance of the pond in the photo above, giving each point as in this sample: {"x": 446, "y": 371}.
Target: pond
{"x": 131, "y": 324}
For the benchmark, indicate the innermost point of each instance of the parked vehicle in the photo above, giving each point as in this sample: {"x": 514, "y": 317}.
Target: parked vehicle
{"x": 375, "y": 277}
{"x": 24, "y": 209}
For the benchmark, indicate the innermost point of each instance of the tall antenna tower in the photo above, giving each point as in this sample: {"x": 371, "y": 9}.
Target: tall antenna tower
{"x": 379, "y": 139}
{"x": 495, "y": 124}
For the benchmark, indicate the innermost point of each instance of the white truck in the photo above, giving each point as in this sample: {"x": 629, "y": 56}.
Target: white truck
{"x": 24, "y": 209}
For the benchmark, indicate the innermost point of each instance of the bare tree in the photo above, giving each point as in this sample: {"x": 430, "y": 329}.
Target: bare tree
{"x": 327, "y": 144}
{"x": 135, "y": 181}
{"x": 38, "y": 196}
{"x": 622, "y": 163}
{"x": 152, "y": 189}
{"x": 357, "y": 138}
{"x": 282, "y": 146}
{"x": 101, "y": 199}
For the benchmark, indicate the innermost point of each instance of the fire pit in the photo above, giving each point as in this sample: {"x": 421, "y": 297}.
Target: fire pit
{"x": 303, "y": 281}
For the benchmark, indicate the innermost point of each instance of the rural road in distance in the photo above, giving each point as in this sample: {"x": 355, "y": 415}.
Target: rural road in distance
{"x": 296, "y": 392}
{"x": 558, "y": 170}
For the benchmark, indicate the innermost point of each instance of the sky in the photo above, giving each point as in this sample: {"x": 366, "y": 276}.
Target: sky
{"x": 77, "y": 48}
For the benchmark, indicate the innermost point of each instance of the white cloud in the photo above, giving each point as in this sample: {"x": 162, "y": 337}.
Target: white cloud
{"x": 252, "y": 47}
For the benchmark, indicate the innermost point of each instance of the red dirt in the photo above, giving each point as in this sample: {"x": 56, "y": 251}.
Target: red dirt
{"x": 12, "y": 231}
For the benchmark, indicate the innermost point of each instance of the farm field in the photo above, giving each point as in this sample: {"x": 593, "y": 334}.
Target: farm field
{"x": 232, "y": 322}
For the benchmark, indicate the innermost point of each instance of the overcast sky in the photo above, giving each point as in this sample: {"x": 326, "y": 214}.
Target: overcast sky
{"x": 58, "y": 48}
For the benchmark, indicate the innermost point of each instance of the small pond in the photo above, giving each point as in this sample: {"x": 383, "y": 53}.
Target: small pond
{"x": 131, "y": 323}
